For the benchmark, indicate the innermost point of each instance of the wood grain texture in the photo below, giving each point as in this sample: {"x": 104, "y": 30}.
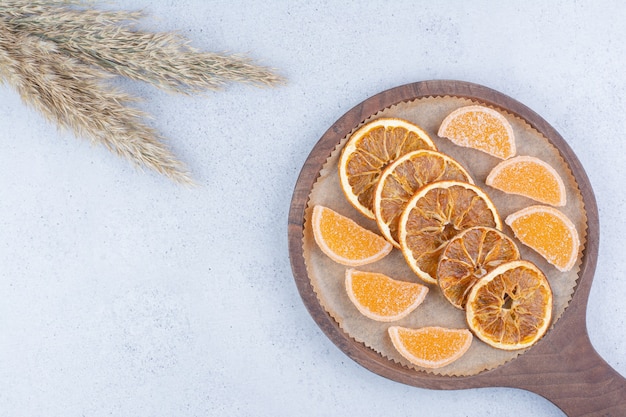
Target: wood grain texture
{"x": 562, "y": 367}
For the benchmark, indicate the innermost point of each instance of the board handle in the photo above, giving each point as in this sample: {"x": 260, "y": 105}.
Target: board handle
{"x": 577, "y": 380}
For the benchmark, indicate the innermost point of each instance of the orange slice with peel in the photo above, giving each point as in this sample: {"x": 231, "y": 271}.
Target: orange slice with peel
{"x": 400, "y": 180}
{"x": 549, "y": 232}
{"x": 345, "y": 241}
{"x": 381, "y": 297}
{"x": 529, "y": 177}
{"x": 468, "y": 257}
{"x": 437, "y": 213}
{"x": 511, "y": 307}
{"x": 480, "y": 128}
{"x": 430, "y": 347}
{"x": 368, "y": 152}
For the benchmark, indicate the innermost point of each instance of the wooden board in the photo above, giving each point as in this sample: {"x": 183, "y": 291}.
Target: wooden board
{"x": 563, "y": 367}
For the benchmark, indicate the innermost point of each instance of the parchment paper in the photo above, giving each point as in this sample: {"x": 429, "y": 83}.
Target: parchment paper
{"x": 327, "y": 277}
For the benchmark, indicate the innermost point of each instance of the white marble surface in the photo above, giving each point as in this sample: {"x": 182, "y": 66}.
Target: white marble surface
{"x": 123, "y": 294}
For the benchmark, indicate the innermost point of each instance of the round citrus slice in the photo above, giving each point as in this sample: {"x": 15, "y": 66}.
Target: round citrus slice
{"x": 529, "y": 177}
{"x": 430, "y": 347}
{"x": 382, "y": 298}
{"x": 437, "y": 213}
{"x": 368, "y": 152}
{"x": 468, "y": 257}
{"x": 345, "y": 241}
{"x": 549, "y": 232}
{"x": 400, "y": 180}
{"x": 481, "y": 128}
{"x": 511, "y": 307}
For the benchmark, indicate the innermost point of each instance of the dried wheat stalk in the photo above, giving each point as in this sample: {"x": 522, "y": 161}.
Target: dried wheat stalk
{"x": 59, "y": 57}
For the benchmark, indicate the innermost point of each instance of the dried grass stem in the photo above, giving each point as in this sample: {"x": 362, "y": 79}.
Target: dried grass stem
{"x": 74, "y": 96}
{"x": 112, "y": 41}
{"x": 58, "y": 55}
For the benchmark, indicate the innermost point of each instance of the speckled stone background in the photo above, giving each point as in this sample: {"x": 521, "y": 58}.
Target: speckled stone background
{"x": 122, "y": 294}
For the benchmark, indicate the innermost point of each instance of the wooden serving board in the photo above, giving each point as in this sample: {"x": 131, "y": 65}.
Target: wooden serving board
{"x": 563, "y": 367}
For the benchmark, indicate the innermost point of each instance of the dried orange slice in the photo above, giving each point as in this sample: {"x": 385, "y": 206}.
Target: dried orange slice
{"x": 369, "y": 150}
{"x": 529, "y": 177}
{"x": 345, "y": 241}
{"x": 549, "y": 232}
{"x": 430, "y": 347}
{"x": 400, "y": 180}
{"x": 511, "y": 307}
{"x": 468, "y": 257}
{"x": 481, "y": 128}
{"x": 383, "y": 298}
{"x": 437, "y": 213}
